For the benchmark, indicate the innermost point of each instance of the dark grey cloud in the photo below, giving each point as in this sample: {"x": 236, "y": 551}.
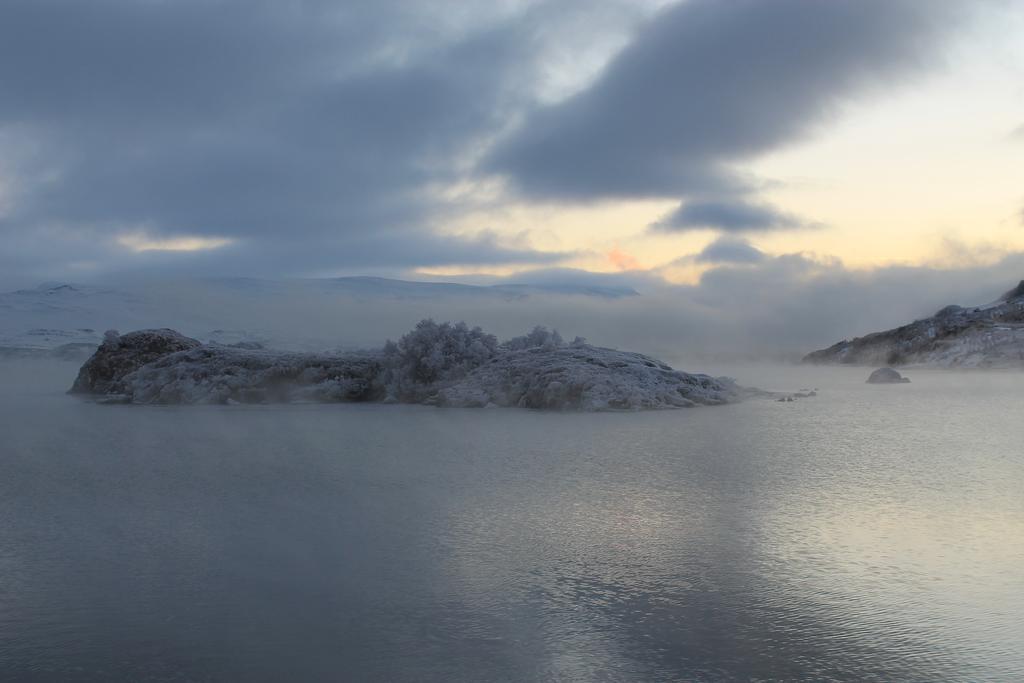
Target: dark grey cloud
{"x": 314, "y": 133}
{"x": 311, "y": 132}
{"x": 730, "y": 250}
{"x": 728, "y": 215}
{"x": 706, "y": 84}
{"x": 196, "y": 116}
{"x": 380, "y": 252}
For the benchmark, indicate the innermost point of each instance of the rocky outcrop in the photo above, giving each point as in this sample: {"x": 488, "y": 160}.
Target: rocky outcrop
{"x": 588, "y": 378}
{"x": 886, "y": 376}
{"x": 984, "y": 336}
{"x": 120, "y": 355}
{"x": 222, "y": 374}
{"x": 435, "y": 364}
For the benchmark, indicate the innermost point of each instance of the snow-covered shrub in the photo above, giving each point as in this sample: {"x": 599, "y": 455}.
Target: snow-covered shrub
{"x": 541, "y": 337}
{"x": 434, "y": 355}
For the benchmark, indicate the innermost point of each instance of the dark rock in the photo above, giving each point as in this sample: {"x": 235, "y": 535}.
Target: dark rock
{"x": 887, "y": 376}
{"x": 219, "y": 374}
{"x": 120, "y": 355}
{"x": 248, "y": 345}
{"x": 1015, "y": 293}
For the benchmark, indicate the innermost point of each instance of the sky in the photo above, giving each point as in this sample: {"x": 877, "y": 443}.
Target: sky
{"x": 673, "y": 142}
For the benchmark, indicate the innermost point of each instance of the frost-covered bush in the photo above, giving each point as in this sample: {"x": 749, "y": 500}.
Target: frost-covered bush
{"x": 540, "y": 338}
{"x": 434, "y": 355}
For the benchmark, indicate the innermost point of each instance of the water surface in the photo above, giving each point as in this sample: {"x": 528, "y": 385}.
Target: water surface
{"x": 870, "y": 533}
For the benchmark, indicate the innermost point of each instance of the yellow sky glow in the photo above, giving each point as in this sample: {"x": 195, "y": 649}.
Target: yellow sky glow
{"x": 141, "y": 243}
{"x": 918, "y": 173}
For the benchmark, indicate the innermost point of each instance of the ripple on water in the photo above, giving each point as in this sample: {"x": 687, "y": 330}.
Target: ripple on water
{"x": 870, "y": 533}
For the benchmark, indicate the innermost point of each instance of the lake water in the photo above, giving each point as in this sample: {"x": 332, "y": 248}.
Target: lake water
{"x": 869, "y": 533}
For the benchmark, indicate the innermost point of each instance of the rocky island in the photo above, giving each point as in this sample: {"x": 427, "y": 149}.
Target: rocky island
{"x": 435, "y": 364}
{"x": 988, "y": 336}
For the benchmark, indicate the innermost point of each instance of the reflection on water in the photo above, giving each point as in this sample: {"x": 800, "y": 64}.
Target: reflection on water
{"x": 872, "y": 533}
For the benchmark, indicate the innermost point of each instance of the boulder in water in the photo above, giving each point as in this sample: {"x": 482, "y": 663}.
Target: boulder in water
{"x": 887, "y": 376}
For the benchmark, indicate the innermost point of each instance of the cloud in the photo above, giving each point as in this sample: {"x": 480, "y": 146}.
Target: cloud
{"x": 1017, "y": 133}
{"x": 262, "y": 123}
{"x": 207, "y": 140}
{"x": 381, "y": 252}
{"x": 730, "y": 250}
{"x": 305, "y": 137}
{"x": 730, "y": 215}
{"x": 706, "y": 84}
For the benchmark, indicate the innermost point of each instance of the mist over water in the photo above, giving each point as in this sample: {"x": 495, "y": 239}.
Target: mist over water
{"x": 870, "y": 533}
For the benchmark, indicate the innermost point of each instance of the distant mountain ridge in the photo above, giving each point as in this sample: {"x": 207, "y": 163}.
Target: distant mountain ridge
{"x": 62, "y": 318}
{"x": 988, "y": 336}
{"x": 417, "y": 289}
{"x": 51, "y": 292}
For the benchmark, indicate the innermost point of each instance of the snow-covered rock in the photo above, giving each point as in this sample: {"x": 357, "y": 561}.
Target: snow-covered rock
{"x": 437, "y": 364}
{"x": 587, "y": 378}
{"x": 222, "y": 374}
{"x": 989, "y": 336}
{"x": 120, "y": 355}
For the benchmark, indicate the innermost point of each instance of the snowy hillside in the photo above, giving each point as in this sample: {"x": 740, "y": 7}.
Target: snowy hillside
{"x": 988, "y": 336}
